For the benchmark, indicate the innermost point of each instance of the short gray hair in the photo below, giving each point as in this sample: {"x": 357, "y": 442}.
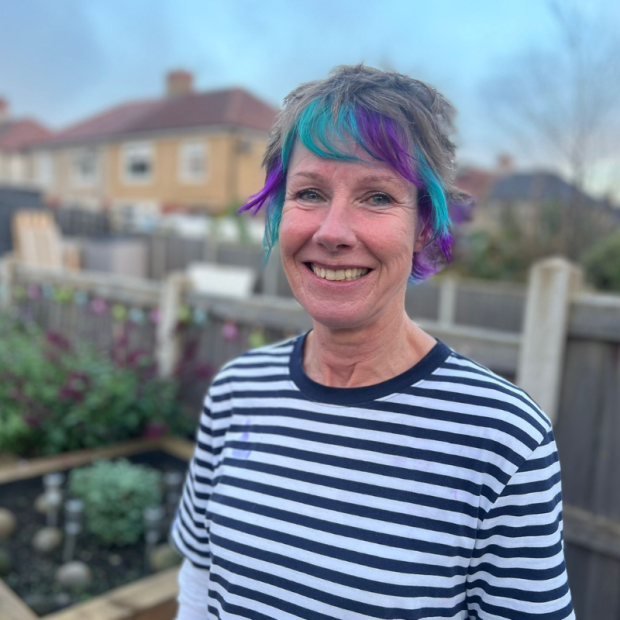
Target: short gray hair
{"x": 422, "y": 113}
{"x": 396, "y": 119}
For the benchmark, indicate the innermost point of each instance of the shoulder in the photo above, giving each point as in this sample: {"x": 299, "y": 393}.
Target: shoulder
{"x": 489, "y": 388}
{"x": 264, "y": 362}
{"x": 260, "y": 368}
{"x": 501, "y": 416}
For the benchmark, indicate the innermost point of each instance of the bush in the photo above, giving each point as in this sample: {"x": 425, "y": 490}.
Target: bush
{"x": 115, "y": 494}
{"x": 56, "y": 397}
{"x": 602, "y": 263}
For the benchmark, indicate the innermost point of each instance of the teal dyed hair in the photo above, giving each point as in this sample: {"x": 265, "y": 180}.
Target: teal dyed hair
{"x": 395, "y": 120}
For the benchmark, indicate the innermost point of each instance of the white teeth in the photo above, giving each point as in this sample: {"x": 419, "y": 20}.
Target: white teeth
{"x": 339, "y": 274}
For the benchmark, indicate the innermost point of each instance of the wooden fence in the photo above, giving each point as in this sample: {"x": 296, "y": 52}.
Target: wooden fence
{"x": 588, "y": 435}
{"x": 81, "y": 223}
{"x": 572, "y": 338}
{"x": 477, "y": 303}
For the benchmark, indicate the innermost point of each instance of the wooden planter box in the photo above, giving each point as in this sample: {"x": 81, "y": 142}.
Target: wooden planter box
{"x": 150, "y": 598}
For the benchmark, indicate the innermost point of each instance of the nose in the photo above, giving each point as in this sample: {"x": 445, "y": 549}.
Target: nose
{"x": 335, "y": 231}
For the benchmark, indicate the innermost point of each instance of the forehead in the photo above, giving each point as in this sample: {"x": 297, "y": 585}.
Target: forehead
{"x": 305, "y": 164}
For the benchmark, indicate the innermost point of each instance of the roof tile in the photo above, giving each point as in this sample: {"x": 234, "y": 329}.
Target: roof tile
{"x": 16, "y": 135}
{"x": 235, "y": 107}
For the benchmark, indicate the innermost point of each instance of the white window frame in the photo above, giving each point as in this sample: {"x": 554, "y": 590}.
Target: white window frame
{"x": 186, "y": 149}
{"x": 78, "y": 178}
{"x": 44, "y": 168}
{"x": 131, "y": 149}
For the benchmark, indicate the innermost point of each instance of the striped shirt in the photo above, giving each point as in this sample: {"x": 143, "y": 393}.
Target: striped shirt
{"x": 435, "y": 494}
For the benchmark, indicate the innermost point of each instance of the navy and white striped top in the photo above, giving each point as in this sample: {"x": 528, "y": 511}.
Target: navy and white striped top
{"x": 435, "y": 494}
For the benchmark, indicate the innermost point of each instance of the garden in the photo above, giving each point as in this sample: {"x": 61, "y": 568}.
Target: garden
{"x": 93, "y": 456}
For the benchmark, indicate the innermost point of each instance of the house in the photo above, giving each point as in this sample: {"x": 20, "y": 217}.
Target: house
{"x": 16, "y": 136}
{"x": 524, "y": 193}
{"x": 187, "y": 151}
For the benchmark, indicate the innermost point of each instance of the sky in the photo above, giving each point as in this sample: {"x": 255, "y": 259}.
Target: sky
{"x": 63, "y": 60}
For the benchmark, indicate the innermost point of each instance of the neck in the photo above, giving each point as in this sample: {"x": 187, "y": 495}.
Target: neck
{"x": 357, "y": 358}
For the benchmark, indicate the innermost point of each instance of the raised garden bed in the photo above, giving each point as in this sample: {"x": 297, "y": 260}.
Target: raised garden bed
{"x": 120, "y": 590}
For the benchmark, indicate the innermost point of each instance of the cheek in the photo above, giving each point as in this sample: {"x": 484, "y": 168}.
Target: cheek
{"x": 296, "y": 228}
{"x": 395, "y": 243}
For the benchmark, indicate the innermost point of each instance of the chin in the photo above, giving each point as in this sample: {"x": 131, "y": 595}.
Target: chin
{"x": 336, "y": 318}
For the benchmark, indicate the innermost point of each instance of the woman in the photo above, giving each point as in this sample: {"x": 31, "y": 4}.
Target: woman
{"x": 365, "y": 470}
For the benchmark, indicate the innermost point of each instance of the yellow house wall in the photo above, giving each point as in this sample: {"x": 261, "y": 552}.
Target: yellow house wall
{"x": 166, "y": 185}
{"x": 250, "y": 174}
{"x": 64, "y": 189}
{"x": 232, "y": 174}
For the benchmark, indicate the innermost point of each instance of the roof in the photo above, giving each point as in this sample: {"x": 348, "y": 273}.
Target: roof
{"x": 537, "y": 187}
{"x": 19, "y": 134}
{"x": 475, "y": 182}
{"x": 231, "y": 107}
{"x": 115, "y": 121}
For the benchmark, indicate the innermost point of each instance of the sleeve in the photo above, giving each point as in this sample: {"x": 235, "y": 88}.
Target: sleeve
{"x": 190, "y": 532}
{"x": 517, "y": 569}
{"x": 193, "y": 592}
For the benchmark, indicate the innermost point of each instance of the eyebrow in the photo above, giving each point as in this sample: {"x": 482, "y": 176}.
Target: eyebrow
{"x": 371, "y": 178}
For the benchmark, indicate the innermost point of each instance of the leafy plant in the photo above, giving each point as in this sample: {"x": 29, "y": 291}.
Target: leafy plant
{"x": 519, "y": 235}
{"x": 507, "y": 250}
{"x": 115, "y": 494}
{"x": 55, "y": 396}
{"x": 602, "y": 263}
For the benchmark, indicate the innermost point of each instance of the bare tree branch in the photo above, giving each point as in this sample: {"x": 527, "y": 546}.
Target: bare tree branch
{"x": 564, "y": 100}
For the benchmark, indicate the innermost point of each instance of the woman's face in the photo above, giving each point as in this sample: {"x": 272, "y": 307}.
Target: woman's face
{"x": 347, "y": 238}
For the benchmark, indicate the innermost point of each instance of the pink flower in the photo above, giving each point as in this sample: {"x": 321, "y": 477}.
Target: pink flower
{"x": 32, "y": 421}
{"x": 155, "y": 430}
{"x": 57, "y": 341}
{"x": 67, "y": 392}
{"x": 204, "y": 371}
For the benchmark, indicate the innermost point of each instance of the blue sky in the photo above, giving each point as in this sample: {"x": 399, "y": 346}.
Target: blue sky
{"x": 63, "y": 60}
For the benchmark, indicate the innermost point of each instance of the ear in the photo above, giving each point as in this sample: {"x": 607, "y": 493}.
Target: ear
{"x": 423, "y": 237}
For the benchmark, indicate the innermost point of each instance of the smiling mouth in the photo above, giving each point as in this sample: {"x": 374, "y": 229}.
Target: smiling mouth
{"x": 338, "y": 274}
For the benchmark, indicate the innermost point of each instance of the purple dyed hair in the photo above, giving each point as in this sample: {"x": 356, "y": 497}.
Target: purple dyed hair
{"x": 396, "y": 120}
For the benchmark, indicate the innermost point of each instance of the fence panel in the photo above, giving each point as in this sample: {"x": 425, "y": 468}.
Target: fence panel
{"x": 588, "y": 435}
{"x": 490, "y": 305}
{"x": 81, "y": 223}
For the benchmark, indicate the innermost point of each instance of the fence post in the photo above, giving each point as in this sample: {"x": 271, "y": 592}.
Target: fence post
{"x": 168, "y": 345}
{"x": 210, "y": 245}
{"x": 552, "y": 284}
{"x": 447, "y": 301}
{"x": 7, "y": 271}
{"x": 271, "y": 274}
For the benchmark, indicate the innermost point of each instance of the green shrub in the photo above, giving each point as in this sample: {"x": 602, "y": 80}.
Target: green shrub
{"x": 602, "y": 263}
{"x": 56, "y": 397}
{"x": 115, "y": 494}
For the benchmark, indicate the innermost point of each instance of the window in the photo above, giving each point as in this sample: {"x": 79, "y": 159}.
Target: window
{"x": 193, "y": 162}
{"x": 138, "y": 162}
{"x": 16, "y": 169}
{"x": 44, "y": 169}
{"x": 85, "y": 167}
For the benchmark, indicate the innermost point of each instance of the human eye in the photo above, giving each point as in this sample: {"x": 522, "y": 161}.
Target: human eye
{"x": 380, "y": 199}
{"x": 308, "y": 195}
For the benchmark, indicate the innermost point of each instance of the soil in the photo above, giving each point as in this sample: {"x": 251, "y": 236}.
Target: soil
{"x": 32, "y": 574}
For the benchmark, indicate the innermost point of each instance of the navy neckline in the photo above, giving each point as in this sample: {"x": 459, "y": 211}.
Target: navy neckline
{"x": 348, "y": 396}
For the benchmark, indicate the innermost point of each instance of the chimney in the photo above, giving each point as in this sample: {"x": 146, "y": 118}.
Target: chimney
{"x": 505, "y": 163}
{"x": 4, "y": 109}
{"x": 179, "y": 83}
